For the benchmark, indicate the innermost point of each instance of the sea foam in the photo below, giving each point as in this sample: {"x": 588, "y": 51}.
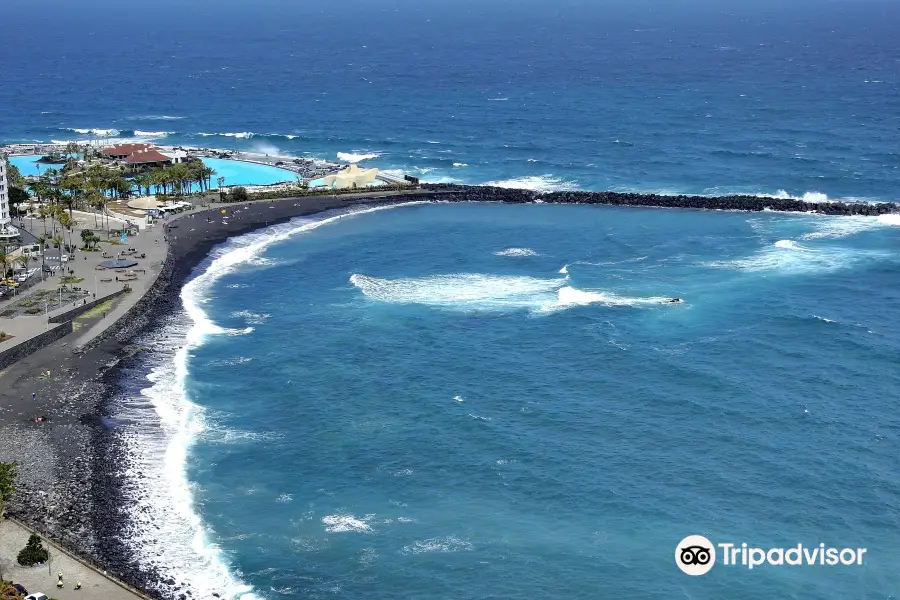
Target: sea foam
{"x": 516, "y": 252}
{"x": 185, "y": 548}
{"x": 536, "y": 183}
{"x": 352, "y": 157}
{"x": 467, "y": 291}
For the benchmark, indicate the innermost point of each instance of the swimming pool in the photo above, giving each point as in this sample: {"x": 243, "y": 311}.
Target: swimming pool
{"x": 235, "y": 172}
{"x": 29, "y": 165}
{"x": 238, "y": 172}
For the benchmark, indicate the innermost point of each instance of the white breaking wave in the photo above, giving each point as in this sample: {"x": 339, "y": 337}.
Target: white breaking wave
{"x": 568, "y": 297}
{"x": 97, "y": 132}
{"x": 347, "y": 523}
{"x": 497, "y": 99}
{"x": 516, "y": 252}
{"x": 460, "y": 165}
{"x": 790, "y": 245}
{"x": 536, "y": 183}
{"x": 460, "y": 290}
{"x": 788, "y": 257}
{"x": 185, "y": 548}
{"x": 240, "y": 135}
{"x": 351, "y": 157}
{"x": 564, "y": 270}
{"x": 837, "y": 227}
{"x": 490, "y": 292}
{"x": 140, "y": 133}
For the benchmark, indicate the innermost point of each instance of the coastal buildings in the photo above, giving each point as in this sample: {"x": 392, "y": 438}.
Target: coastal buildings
{"x": 8, "y": 233}
{"x": 138, "y": 158}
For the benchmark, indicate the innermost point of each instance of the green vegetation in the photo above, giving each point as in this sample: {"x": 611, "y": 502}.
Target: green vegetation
{"x": 69, "y": 279}
{"x": 34, "y": 310}
{"x": 104, "y": 306}
{"x": 4, "y": 336}
{"x": 238, "y": 194}
{"x": 27, "y": 303}
{"x": 7, "y": 483}
{"x": 8, "y": 592}
{"x": 89, "y": 239}
{"x": 33, "y": 552}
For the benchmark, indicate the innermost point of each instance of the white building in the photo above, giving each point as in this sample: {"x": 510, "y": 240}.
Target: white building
{"x": 351, "y": 177}
{"x": 7, "y": 231}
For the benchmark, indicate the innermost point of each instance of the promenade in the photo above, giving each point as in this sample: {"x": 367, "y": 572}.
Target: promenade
{"x": 94, "y": 584}
{"x": 94, "y": 283}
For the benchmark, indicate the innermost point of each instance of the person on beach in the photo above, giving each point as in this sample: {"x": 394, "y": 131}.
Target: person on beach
{"x": 33, "y": 396}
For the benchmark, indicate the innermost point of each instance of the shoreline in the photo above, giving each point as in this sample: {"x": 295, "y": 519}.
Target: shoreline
{"x": 79, "y": 456}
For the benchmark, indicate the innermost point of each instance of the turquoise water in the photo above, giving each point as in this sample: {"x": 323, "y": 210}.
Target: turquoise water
{"x": 28, "y": 165}
{"x": 489, "y": 401}
{"x": 237, "y": 172}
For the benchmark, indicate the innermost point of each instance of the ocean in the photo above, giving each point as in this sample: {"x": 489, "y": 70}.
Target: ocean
{"x": 489, "y": 401}
{"x": 480, "y": 401}
{"x": 793, "y": 98}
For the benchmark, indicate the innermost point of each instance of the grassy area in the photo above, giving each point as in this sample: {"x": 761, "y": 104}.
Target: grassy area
{"x": 72, "y": 279}
{"x": 34, "y": 310}
{"x": 94, "y": 312}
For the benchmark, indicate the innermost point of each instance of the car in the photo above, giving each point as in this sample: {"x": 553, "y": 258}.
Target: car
{"x": 37, "y": 596}
{"x": 64, "y": 258}
{"x": 21, "y": 589}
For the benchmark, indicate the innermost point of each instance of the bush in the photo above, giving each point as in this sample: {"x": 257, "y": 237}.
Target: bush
{"x": 239, "y": 194}
{"x": 33, "y": 310}
{"x": 33, "y": 552}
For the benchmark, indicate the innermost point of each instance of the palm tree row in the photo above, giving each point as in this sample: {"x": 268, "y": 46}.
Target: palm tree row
{"x": 176, "y": 179}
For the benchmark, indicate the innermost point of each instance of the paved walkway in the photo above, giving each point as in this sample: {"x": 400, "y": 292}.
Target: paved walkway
{"x": 149, "y": 242}
{"x": 94, "y": 585}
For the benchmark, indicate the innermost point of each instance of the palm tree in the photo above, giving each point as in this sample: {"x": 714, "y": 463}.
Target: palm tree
{"x": 73, "y": 188}
{"x": 144, "y": 181}
{"x": 58, "y": 242}
{"x": 43, "y": 213}
{"x": 22, "y": 259}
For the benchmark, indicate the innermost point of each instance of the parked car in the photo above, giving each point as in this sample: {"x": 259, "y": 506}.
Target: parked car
{"x": 21, "y": 589}
{"x": 36, "y": 596}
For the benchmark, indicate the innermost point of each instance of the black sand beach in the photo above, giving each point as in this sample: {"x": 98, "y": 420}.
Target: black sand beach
{"x": 71, "y": 468}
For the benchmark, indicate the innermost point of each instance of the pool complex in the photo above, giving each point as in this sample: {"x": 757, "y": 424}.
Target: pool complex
{"x": 235, "y": 172}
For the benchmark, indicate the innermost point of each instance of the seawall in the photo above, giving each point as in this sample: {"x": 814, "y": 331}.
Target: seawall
{"x": 476, "y": 193}
{"x": 32, "y": 345}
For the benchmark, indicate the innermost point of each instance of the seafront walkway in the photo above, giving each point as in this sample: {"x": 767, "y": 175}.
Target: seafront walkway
{"x": 95, "y": 585}
{"x": 95, "y": 283}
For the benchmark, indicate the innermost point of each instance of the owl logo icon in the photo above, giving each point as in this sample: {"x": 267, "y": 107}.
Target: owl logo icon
{"x": 695, "y": 555}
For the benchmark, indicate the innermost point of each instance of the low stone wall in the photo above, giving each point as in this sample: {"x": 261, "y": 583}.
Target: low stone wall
{"x": 20, "y": 351}
{"x": 71, "y": 314}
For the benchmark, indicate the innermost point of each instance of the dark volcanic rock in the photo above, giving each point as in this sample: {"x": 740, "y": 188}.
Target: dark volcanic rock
{"x": 452, "y": 192}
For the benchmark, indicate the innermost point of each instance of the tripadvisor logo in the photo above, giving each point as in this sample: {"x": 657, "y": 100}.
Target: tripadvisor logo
{"x": 696, "y": 555}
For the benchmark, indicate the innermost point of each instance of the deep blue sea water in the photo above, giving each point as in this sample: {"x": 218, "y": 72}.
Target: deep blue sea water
{"x": 489, "y": 401}
{"x": 480, "y": 401}
{"x": 699, "y": 96}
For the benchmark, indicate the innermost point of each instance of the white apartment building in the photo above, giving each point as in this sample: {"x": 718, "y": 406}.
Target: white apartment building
{"x": 7, "y": 231}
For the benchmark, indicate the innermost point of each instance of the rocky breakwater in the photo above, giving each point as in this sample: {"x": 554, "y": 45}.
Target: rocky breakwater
{"x": 474, "y": 193}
